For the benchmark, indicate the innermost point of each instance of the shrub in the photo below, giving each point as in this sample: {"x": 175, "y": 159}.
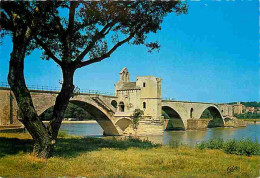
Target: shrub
{"x": 245, "y": 147}
{"x": 230, "y": 147}
{"x": 63, "y": 134}
{"x": 242, "y": 147}
{"x": 211, "y": 144}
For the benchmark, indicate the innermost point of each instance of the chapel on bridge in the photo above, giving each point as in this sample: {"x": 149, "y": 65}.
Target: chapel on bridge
{"x": 144, "y": 94}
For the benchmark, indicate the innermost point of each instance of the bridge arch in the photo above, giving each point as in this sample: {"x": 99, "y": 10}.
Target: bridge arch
{"x": 123, "y": 123}
{"x": 227, "y": 119}
{"x": 175, "y": 121}
{"x": 103, "y": 118}
{"x": 191, "y": 113}
{"x": 217, "y": 121}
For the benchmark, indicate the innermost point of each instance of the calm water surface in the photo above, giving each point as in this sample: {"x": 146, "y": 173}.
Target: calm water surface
{"x": 190, "y": 137}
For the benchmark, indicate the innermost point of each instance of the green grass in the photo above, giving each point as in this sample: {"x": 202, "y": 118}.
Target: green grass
{"x": 252, "y": 120}
{"x": 95, "y": 157}
{"x": 62, "y": 134}
{"x": 68, "y": 146}
{"x": 245, "y": 147}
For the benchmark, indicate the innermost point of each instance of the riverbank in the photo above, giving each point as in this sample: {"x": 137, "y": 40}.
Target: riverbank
{"x": 250, "y": 121}
{"x": 95, "y": 157}
{"x": 76, "y": 122}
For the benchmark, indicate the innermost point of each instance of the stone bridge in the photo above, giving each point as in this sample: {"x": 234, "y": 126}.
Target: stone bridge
{"x": 113, "y": 113}
{"x": 187, "y": 115}
{"x": 99, "y": 106}
{"x": 183, "y": 115}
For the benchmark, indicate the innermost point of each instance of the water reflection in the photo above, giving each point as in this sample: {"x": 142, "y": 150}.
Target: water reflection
{"x": 192, "y": 137}
{"x": 189, "y": 137}
{"x": 90, "y": 129}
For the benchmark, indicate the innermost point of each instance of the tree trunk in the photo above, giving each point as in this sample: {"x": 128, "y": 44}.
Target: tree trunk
{"x": 30, "y": 119}
{"x": 44, "y": 138}
{"x": 62, "y": 101}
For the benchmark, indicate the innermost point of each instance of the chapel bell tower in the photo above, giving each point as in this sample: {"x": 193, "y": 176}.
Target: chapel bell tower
{"x": 124, "y": 75}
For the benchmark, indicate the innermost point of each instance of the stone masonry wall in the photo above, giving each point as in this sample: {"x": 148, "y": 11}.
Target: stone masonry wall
{"x": 6, "y": 106}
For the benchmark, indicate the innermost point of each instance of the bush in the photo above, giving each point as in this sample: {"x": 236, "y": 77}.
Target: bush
{"x": 137, "y": 142}
{"x": 63, "y": 134}
{"x": 230, "y": 147}
{"x": 242, "y": 147}
{"x": 211, "y": 144}
{"x": 245, "y": 147}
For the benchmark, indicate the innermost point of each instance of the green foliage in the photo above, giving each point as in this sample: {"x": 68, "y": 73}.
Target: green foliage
{"x": 72, "y": 111}
{"x": 245, "y": 147}
{"x": 62, "y": 134}
{"x": 248, "y": 116}
{"x": 22, "y": 16}
{"x": 86, "y": 30}
{"x": 242, "y": 147}
{"x": 206, "y": 115}
{"x": 136, "y": 116}
{"x": 211, "y": 144}
{"x": 249, "y": 104}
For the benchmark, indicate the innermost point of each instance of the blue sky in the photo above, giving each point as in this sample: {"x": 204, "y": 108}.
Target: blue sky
{"x": 209, "y": 55}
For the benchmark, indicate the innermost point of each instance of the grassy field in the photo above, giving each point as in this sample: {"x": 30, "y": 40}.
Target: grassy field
{"x": 94, "y": 157}
{"x": 251, "y": 120}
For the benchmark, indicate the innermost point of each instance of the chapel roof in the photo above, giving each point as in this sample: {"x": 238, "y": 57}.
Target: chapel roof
{"x": 129, "y": 86}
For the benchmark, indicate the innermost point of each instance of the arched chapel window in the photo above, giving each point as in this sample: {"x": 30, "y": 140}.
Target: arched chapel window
{"x": 121, "y": 107}
{"x": 144, "y": 105}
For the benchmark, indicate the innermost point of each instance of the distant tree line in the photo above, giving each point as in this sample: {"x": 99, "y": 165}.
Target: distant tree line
{"x": 248, "y": 115}
{"x": 248, "y": 104}
{"x": 72, "y": 111}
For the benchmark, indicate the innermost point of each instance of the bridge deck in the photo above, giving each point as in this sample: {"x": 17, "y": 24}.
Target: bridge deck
{"x": 187, "y": 102}
{"x": 57, "y": 92}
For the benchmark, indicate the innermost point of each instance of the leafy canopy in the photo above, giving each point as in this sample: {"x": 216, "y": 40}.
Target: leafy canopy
{"x": 83, "y": 32}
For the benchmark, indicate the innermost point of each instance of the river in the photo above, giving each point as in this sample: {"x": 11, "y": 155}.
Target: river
{"x": 189, "y": 137}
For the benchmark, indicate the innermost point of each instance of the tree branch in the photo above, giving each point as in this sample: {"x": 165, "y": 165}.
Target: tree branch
{"x": 97, "y": 37}
{"x": 70, "y": 31}
{"x": 5, "y": 22}
{"x": 73, "y": 6}
{"x": 47, "y": 50}
{"x": 106, "y": 55}
{"x": 61, "y": 31}
{"x": 57, "y": 20}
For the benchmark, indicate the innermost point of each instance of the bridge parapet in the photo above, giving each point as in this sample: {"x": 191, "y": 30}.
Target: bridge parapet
{"x": 175, "y": 101}
{"x": 51, "y": 89}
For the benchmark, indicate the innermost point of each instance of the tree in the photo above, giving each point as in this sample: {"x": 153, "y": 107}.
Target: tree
{"x": 20, "y": 20}
{"x": 74, "y": 34}
{"x": 136, "y": 116}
